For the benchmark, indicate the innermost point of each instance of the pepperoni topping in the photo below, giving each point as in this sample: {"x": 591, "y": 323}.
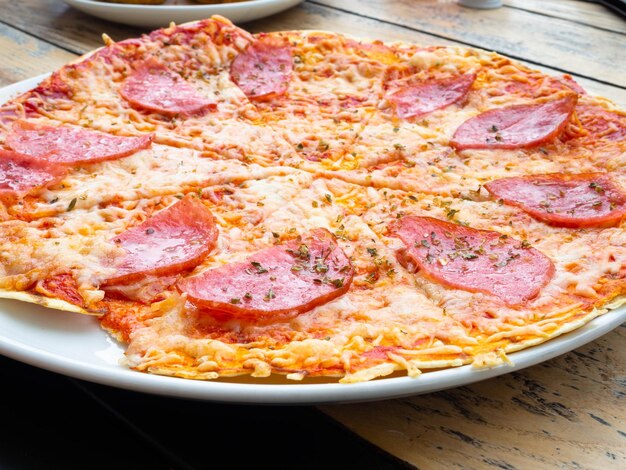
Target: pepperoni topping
{"x": 173, "y": 240}
{"x": 285, "y": 279}
{"x": 569, "y": 82}
{"x": 264, "y": 69}
{"x": 518, "y": 126}
{"x": 535, "y": 84}
{"x": 22, "y": 174}
{"x": 575, "y": 201}
{"x": 601, "y": 123}
{"x": 416, "y": 99}
{"x": 154, "y": 87}
{"x": 472, "y": 260}
{"x": 54, "y": 87}
{"x": 62, "y": 286}
{"x": 67, "y": 144}
{"x": 9, "y": 114}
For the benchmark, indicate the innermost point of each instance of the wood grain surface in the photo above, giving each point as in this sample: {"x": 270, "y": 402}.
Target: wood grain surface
{"x": 565, "y": 413}
{"x": 587, "y": 13}
{"x": 23, "y": 56}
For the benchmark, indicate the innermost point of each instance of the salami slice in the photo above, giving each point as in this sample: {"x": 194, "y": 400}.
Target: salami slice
{"x": 417, "y": 99}
{"x": 285, "y": 279}
{"x": 61, "y": 286}
{"x": 264, "y": 69}
{"x": 22, "y": 174}
{"x": 173, "y": 240}
{"x": 575, "y": 201}
{"x": 518, "y": 126}
{"x": 601, "y": 124}
{"x": 69, "y": 144}
{"x": 154, "y": 87}
{"x": 9, "y": 114}
{"x": 472, "y": 260}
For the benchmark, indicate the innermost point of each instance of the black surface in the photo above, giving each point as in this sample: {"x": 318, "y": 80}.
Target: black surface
{"x": 51, "y": 422}
{"x": 618, "y": 6}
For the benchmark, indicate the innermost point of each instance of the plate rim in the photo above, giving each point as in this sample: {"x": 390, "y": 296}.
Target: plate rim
{"x": 154, "y": 17}
{"x": 178, "y": 8}
{"x": 293, "y": 394}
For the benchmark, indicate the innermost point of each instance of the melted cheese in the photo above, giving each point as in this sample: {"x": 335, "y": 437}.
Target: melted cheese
{"x": 160, "y": 170}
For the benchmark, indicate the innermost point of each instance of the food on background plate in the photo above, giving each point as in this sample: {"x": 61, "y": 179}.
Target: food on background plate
{"x": 179, "y": 2}
{"x": 305, "y": 204}
{"x": 136, "y": 2}
{"x": 207, "y": 2}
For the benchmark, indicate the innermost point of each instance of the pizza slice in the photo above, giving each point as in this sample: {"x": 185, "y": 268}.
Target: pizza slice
{"x": 295, "y": 286}
{"x": 366, "y": 282}
{"x": 269, "y": 276}
{"x": 446, "y": 125}
{"x": 510, "y": 275}
{"x": 79, "y": 168}
{"x": 316, "y": 89}
{"x": 75, "y": 256}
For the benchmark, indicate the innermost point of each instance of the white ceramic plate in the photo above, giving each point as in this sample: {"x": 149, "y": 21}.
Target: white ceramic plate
{"x": 157, "y": 16}
{"x": 76, "y": 346}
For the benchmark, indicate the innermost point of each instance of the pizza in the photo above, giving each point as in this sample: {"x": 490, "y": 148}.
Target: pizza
{"x": 305, "y": 204}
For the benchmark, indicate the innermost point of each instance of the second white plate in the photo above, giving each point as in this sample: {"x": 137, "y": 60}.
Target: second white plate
{"x": 157, "y": 16}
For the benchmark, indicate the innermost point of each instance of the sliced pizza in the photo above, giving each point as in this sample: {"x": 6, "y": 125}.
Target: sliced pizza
{"x": 305, "y": 204}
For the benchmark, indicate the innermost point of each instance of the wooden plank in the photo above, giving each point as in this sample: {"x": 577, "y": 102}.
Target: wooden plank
{"x": 58, "y": 23}
{"x": 566, "y": 413}
{"x": 71, "y": 29}
{"x": 553, "y": 42}
{"x": 588, "y": 13}
{"x": 23, "y": 56}
{"x": 311, "y": 16}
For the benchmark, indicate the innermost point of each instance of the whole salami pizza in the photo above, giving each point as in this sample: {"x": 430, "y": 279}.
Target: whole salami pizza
{"x": 305, "y": 204}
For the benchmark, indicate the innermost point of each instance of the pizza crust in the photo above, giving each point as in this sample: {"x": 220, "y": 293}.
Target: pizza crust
{"x": 492, "y": 361}
{"x": 48, "y": 302}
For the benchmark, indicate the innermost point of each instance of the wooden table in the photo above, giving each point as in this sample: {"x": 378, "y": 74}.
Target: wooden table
{"x": 568, "y": 412}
